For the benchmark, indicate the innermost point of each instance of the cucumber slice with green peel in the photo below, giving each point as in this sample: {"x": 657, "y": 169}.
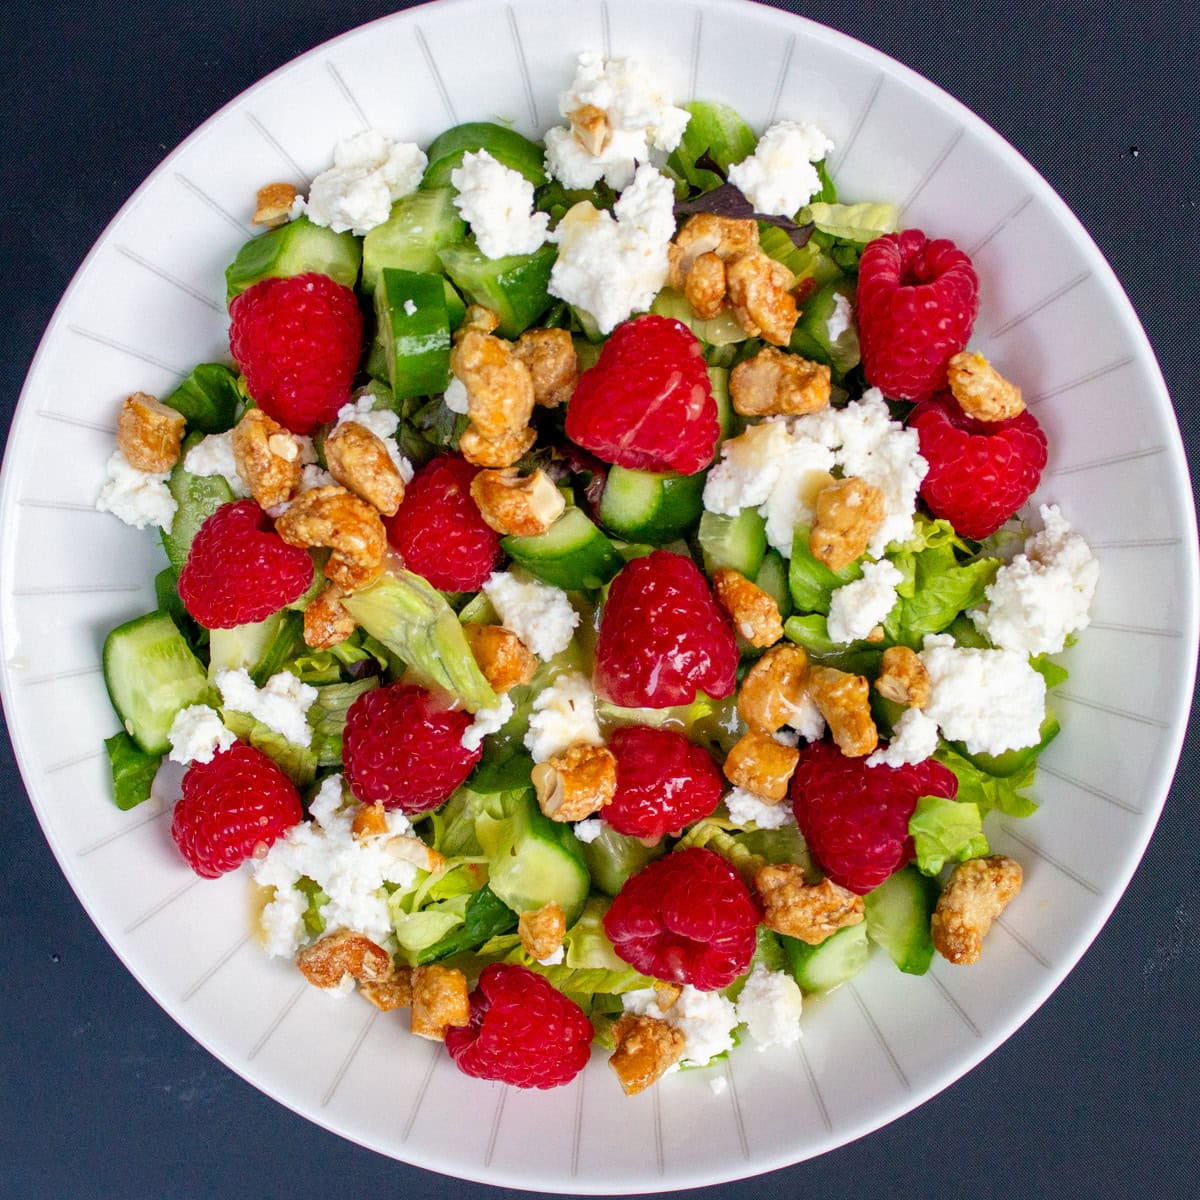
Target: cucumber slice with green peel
{"x": 811, "y": 336}
{"x": 513, "y": 287}
{"x": 294, "y": 249}
{"x": 739, "y": 542}
{"x": 721, "y": 330}
{"x": 647, "y": 507}
{"x": 572, "y": 554}
{"x": 414, "y": 326}
{"x": 1013, "y": 762}
{"x": 151, "y": 673}
{"x": 503, "y": 144}
{"x": 261, "y": 648}
{"x": 837, "y": 959}
{"x": 613, "y": 857}
{"x": 419, "y": 226}
{"x": 898, "y": 916}
{"x": 728, "y": 421}
{"x": 198, "y": 497}
{"x": 772, "y": 577}
{"x": 809, "y": 261}
{"x": 208, "y": 398}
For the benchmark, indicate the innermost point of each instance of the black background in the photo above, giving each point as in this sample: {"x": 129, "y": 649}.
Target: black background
{"x": 102, "y": 1095}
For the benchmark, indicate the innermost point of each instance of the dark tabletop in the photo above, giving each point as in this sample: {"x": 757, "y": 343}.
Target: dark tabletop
{"x": 102, "y": 1095}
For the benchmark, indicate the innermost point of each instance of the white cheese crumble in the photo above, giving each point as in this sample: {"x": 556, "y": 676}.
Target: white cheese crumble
{"x": 383, "y": 423}
{"x": 839, "y": 320}
{"x": 554, "y": 957}
{"x": 769, "y": 1005}
{"x": 197, "y": 733}
{"x": 455, "y": 397}
{"x": 779, "y": 177}
{"x": 213, "y": 455}
{"x": 410, "y": 307}
{"x": 717, "y": 1085}
{"x": 311, "y": 476}
{"x": 745, "y": 807}
{"x": 806, "y": 719}
{"x": 539, "y": 614}
{"x": 497, "y": 202}
{"x": 139, "y": 498}
{"x": 563, "y": 713}
{"x": 369, "y": 173}
{"x": 588, "y": 831}
{"x": 281, "y": 704}
{"x": 611, "y": 268}
{"x": 857, "y": 607}
{"x": 706, "y": 1019}
{"x": 487, "y": 721}
{"x": 914, "y": 739}
{"x": 1043, "y": 595}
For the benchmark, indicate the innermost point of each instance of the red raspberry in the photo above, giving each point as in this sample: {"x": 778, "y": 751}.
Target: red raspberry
{"x": 297, "y": 341}
{"x": 686, "y": 918}
{"x": 917, "y": 301}
{"x": 662, "y": 636}
{"x": 402, "y": 747}
{"x": 240, "y": 570}
{"x": 231, "y": 806}
{"x": 980, "y": 472}
{"x": 648, "y": 402}
{"x": 855, "y": 818}
{"x": 664, "y": 782}
{"x": 439, "y": 530}
{"x": 522, "y": 1031}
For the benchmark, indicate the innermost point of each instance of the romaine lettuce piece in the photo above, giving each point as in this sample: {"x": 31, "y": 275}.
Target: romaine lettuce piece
{"x": 853, "y": 222}
{"x": 327, "y": 716}
{"x": 945, "y": 831}
{"x": 133, "y": 770}
{"x": 486, "y": 917}
{"x": 298, "y": 762}
{"x": 986, "y": 791}
{"x": 716, "y": 133}
{"x": 810, "y": 581}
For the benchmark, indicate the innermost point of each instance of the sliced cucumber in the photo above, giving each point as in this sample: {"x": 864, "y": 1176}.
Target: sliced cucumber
{"x": 513, "y": 287}
{"x": 838, "y": 958}
{"x": 294, "y": 249}
{"x": 572, "y": 554}
{"x": 261, "y": 648}
{"x": 728, "y": 420}
{"x": 811, "y": 334}
{"x": 898, "y": 915}
{"x": 151, "y": 673}
{"x": 772, "y": 577}
{"x": 198, "y": 497}
{"x": 739, "y": 542}
{"x": 721, "y": 330}
{"x": 419, "y": 226}
{"x": 613, "y": 857}
{"x": 643, "y": 506}
{"x": 414, "y": 327}
{"x": 503, "y": 144}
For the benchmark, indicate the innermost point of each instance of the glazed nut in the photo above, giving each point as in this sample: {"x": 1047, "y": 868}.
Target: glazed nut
{"x": 542, "y": 931}
{"x": 516, "y": 506}
{"x": 809, "y": 912}
{"x": 149, "y": 433}
{"x": 705, "y": 286}
{"x": 267, "y": 458}
{"x": 440, "y": 998}
{"x": 389, "y": 994}
{"x": 327, "y": 623}
{"x": 844, "y": 701}
{"x": 499, "y": 385}
{"x": 273, "y": 204}
{"x": 645, "y": 1049}
{"x": 758, "y": 763}
{"x": 773, "y": 688}
{"x": 903, "y": 678}
{"x": 503, "y": 658}
{"x": 479, "y": 320}
{"x": 502, "y": 451}
{"x": 576, "y": 783}
{"x": 755, "y": 614}
{"x": 977, "y": 892}
{"x": 590, "y": 126}
{"x": 849, "y": 511}
{"x": 775, "y": 383}
{"x": 707, "y": 233}
{"x": 348, "y": 526}
{"x": 760, "y": 292}
{"x": 981, "y": 391}
{"x": 369, "y": 821}
{"x": 553, "y": 365}
{"x": 413, "y": 850}
{"x": 665, "y": 994}
{"x": 327, "y": 962}
{"x": 360, "y": 462}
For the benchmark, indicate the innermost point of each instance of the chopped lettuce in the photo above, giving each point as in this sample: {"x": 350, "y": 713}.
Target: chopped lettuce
{"x": 715, "y": 138}
{"x": 133, "y": 770}
{"x": 485, "y": 917}
{"x": 977, "y": 787}
{"x": 327, "y": 716}
{"x": 298, "y": 762}
{"x": 946, "y": 831}
{"x": 852, "y": 222}
{"x": 1053, "y": 673}
{"x": 314, "y": 919}
{"x": 810, "y": 581}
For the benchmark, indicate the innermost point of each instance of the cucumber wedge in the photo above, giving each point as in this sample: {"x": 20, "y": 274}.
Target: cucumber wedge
{"x": 419, "y": 226}
{"x": 414, "y": 326}
{"x": 504, "y": 145}
{"x": 572, "y": 554}
{"x": 613, "y": 857}
{"x": 739, "y": 542}
{"x": 513, "y": 287}
{"x": 811, "y": 334}
{"x": 898, "y": 915}
{"x": 772, "y": 577}
{"x": 294, "y": 249}
{"x": 198, "y": 497}
{"x": 642, "y": 506}
{"x": 838, "y": 958}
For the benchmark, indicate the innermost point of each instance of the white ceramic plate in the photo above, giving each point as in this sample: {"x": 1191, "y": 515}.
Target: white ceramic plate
{"x": 148, "y": 303}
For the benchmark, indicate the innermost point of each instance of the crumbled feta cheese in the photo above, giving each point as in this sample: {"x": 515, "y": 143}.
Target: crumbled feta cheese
{"x": 706, "y": 1019}
{"x": 383, "y": 423}
{"x": 839, "y": 320}
{"x": 563, "y": 713}
{"x": 139, "y": 498}
{"x": 718, "y": 1084}
{"x": 497, "y": 202}
{"x": 588, "y": 831}
{"x": 806, "y": 719}
{"x": 369, "y": 173}
{"x": 914, "y": 739}
{"x": 311, "y": 476}
{"x": 611, "y": 268}
{"x": 351, "y": 871}
{"x": 1043, "y": 595}
{"x": 745, "y": 807}
{"x": 540, "y": 615}
{"x": 554, "y": 958}
{"x": 213, "y": 455}
{"x": 857, "y": 607}
{"x": 638, "y": 114}
{"x": 281, "y": 704}
{"x": 779, "y": 177}
{"x": 410, "y": 307}
{"x": 197, "y": 733}
{"x": 769, "y": 1005}
{"x": 455, "y": 397}
{"x": 992, "y": 700}
{"x": 487, "y": 721}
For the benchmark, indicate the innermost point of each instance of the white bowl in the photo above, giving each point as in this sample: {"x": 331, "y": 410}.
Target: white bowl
{"x": 148, "y": 303}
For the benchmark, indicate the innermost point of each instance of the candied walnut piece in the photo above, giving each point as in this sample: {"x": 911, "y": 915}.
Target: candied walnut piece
{"x": 326, "y": 621}
{"x": 809, "y": 912}
{"x": 705, "y": 286}
{"x": 351, "y": 528}
{"x": 495, "y": 452}
{"x": 327, "y": 962}
{"x": 978, "y": 891}
{"x": 707, "y": 233}
{"x": 576, "y": 783}
{"x": 760, "y": 291}
{"x": 389, "y": 994}
{"x": 775, "y": 383}
{"x": 760, "y": 764}
{"x": 267, "y": 458}
{"x": 665, "y": 994}
{"x": 981, "y": 391}
{"x": 149, "y": 433}
{"x": 369, "y": 821}
{"x": 845, "y": 703}
{"x": 755, "y": 614}
{"x": 414, "y": 850}
{"x": 499, "y": 385}
{"x": 477, "y": 319}
{"x": 503, "y": 658}
{"x": 542, "y": 931}
{"x": 903, "y": 678}
{"x": 646, "y": 1047}
{"x": 273, "y": 204}
{"x": 849, "y": 511}
{"x": 360, "y": 462}
{"x": 516, "y": 506}
{"x": 773, "y": 688}
{"x": 440, "y": 998}
{"x": 553, "y": 364}
{"x": 590, "y": 126}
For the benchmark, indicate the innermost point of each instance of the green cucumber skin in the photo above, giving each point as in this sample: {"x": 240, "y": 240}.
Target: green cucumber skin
{"x": 514, "y": 287}
{"x": 294, "y": 249}
{"x": 419, "y": 226}
{"x": 837, "y": 959}
{"x": 613, "y": 858}
{"x": 642, "y": 506}
{"x": 772, "y": 577}
{"x": 198, "y": 497}
{"x": 572, "y": 554}
{"x": 739, "y": 542}
{"x": 898, "y": 916}
{"x": 417, "y": 344}
{"x": 503, "y": 144}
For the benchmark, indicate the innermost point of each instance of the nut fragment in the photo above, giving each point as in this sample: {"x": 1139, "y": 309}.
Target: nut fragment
{"x": 849, "y": 511}
{"x": 761, "y": 296}
{"x": 327, "y": 622}
{"x": 707, "y": 233}
{"x": 516, "y": 506}
{"x": 495, "y": 452}
{"x": 389, "y": 994}
{"x": 981, "y": 391}
{"x": 542, "y": 931}
{"x": 499, "y": 385}
{"x": 351, "y": 528}
{"x": 369, "y": 821}
{"x": 440, "y": 998}
{"x": 775, "y": 383}
{"x": 415, "y": 851}
{"x": 576, "y": 783}
{"x": 754, "y": 613}
{"x": 273, "y": 204}
{"x": 759, "y": 764}
{"x": 844, "y": 701}
{"x": 503, "y": 658}
{"x": 149, "y": 433}
{"x": 903, "y": 678}
{"x": 705, "y": 286}
{"x": 978, "y": 891}
{"x": 773, "y": 688}
{"x": 267, "y": 458}
{"x": 665, "y": 994}
{"x": 590, "y": 126}
{"x": 810, "y": 912}
{"x": 477, "y": 319}
{"x": 328, "y": 961}
{"x": 360, "y": 462}
{"x": 553, "y": 364}
{"x": 646, "y": 1047}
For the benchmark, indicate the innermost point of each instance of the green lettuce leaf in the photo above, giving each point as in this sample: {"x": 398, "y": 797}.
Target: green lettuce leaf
{"x": 946, "y": 831}
{"x": 852, "y": 222}
{"x": 314, "y": 919}
{"x": 1053, "y": 673}
{"x": 810, "y": 581}
{"x": 977, "y": 787}
{"x": 298, "y": 762}
{"x": 486, "y": 917}
{"x": 327, "y": 716}
{"x": 714, "y": 131}
{"x": 133, "y": 770}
